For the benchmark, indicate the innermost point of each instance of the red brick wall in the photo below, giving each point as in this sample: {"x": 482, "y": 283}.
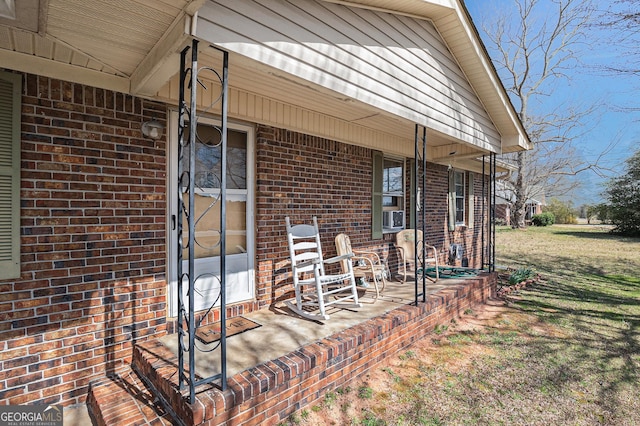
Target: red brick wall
{"x": 301, "y": 176}
{"x": 93, "y": 210}
{"x": 437, "y": 229}
{"x": 503, "y": 214}
{"x": 93, "y": 231}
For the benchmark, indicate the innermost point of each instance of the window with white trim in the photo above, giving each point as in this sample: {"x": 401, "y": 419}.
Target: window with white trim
{"x": 388, "y": 195}
{"x": 458, "y": 183}
{"x": 393, "y": 184}
{"x": 393, "y": 215}
{"x": 460, "y": 199}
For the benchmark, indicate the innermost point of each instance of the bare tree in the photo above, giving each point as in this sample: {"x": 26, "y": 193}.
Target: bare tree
{"x": 622, "y": 19}
{"x": 535, "y": 50}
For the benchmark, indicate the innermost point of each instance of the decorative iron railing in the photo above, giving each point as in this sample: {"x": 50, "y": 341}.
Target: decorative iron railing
{"x": 420, "y": 179}
{"x": 189, "y": 187}
{"x": 488, "y": 241}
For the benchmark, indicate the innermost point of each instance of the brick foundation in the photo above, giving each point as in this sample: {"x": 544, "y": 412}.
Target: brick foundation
{"x": 268, "y": 393}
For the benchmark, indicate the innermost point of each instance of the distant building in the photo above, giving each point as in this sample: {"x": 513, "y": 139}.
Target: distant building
{"x": 505, "y": 199}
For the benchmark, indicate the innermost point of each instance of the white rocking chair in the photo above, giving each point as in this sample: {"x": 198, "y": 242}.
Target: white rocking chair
{"x": 313, "y": 287}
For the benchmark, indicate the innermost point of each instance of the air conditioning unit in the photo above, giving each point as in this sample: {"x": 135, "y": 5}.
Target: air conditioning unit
{"x": 393, "y": 219}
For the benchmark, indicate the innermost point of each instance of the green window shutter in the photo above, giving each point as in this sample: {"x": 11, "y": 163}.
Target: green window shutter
{"x": 470, "y": 196}
{"x": 451, "y": 201}
{"x": 376, "y": 195}
{"x": 412, "y": 192}
{"x": 10, "y": 92}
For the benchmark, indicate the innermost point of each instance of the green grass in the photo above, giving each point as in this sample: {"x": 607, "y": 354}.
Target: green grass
{"x": 565, "y": 351}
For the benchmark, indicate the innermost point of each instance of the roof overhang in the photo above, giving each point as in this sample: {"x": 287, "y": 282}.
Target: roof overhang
{"x": 135, "y": 49}
{"x": 456, "y": 27}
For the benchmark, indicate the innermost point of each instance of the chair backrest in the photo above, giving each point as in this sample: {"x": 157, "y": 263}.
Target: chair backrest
{"x": 304, "y": 244}
{"x": 406, "y": 240}
{"x": 343, "y": 246}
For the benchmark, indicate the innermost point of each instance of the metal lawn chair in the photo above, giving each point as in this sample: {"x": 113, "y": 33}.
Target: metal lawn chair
{"x": 366, "y": 264}
{"x": 405, "y": 243}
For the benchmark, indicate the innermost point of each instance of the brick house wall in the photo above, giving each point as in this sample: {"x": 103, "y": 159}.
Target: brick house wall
{"x": 437, "y": 230}
{"x": 93, "y": 207}
{"x": 301, "y": 176}
{"x": 503, "y": 214}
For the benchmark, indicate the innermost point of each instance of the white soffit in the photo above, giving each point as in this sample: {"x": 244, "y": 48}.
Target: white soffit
{"x": 126, "y": 46}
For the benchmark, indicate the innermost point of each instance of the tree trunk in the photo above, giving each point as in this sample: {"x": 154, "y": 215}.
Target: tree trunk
{"x": 520, "y": 192}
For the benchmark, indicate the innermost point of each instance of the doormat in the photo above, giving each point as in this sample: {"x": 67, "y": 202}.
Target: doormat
{"x": 236, "y": 325}
{"x": 450, "y": 272}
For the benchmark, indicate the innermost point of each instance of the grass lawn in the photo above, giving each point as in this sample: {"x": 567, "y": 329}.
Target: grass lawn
{"x": 565, "y": 351}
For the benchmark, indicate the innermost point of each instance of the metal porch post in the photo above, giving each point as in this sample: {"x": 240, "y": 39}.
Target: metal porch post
{"x": 420, "y": 167}
{"x": 186, "y": 183}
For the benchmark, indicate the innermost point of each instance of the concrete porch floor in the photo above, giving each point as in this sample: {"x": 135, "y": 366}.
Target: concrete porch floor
{"x": 282, "y": 331}
{"x": 286, "y": 363}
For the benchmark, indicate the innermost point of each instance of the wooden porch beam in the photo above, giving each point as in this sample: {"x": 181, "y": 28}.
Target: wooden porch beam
{"x": 62, "y": 71}
{"x": 163, "y": 61}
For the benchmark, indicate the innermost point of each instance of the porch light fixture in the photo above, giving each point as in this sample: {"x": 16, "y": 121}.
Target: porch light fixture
{"x": 152, "y": 129}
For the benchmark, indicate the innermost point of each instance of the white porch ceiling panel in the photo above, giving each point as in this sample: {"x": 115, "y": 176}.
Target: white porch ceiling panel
{"x": 99, "y": 42}
{"x": 114, "y": 33}
{"x": 396, "y": 64}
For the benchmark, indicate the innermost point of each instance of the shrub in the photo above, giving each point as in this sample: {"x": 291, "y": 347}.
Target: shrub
{"x": 543, "y": 219}
{"x": 521, "y": 274}
{"x": 623, "y": 194}
{"x": 563, "y": 211}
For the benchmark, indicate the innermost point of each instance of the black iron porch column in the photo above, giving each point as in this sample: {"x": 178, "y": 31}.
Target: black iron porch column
{"x": 419, "y": 250}
{"x": 186, "y": 185}
{"x": 492, "y": 218}
{"x": 483, "y": 251}
{"x": 489, "y": 197}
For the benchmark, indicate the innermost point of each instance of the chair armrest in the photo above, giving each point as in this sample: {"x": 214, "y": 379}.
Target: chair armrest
{"x": 339, "y": 258}
{"x": 358, "y": 259}
{"x": 428, "y": 247}
{"x": 366, "y": 254}
{"x": 308, "y": 262}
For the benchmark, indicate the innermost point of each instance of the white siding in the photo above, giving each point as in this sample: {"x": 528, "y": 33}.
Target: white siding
{"x": 394, "y": 63}
{"x": 254, "y": 108}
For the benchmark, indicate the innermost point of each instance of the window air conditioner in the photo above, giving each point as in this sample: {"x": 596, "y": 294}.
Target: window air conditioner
{"x": 393, "y": 219}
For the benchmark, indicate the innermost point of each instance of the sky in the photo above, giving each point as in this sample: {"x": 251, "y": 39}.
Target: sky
{"x": 610, "y": 123}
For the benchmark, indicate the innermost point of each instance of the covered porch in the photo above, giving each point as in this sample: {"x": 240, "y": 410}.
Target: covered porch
{"x": 323, "y": 98}
{"x": 285, "y": 364}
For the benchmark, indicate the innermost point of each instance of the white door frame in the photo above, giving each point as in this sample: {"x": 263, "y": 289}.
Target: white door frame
{"x": 172, "y": 211}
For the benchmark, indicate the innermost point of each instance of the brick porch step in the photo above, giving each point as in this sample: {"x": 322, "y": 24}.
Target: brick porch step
{"x": 124, "y": 400}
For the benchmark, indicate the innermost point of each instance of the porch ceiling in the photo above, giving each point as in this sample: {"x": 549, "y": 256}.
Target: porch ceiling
{"x": 111, "y": 44}
{"x": 252, "y": 77}
{"x": 133, "y": 47}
